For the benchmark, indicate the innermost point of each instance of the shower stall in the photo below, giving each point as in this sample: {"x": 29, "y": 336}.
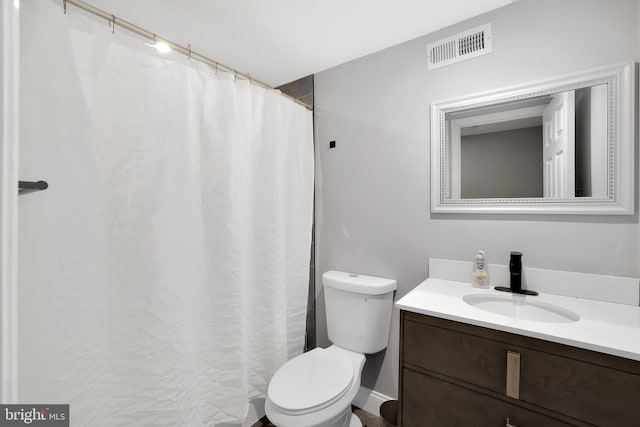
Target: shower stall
{"x": 162, "y": 276}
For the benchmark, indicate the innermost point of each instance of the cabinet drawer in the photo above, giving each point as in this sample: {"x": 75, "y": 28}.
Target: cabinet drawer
{"x": 428, "y": 401}
{"x": 577, "y": 383}
{"x": 468, "y": 358}
{"x": 582, "y": 390}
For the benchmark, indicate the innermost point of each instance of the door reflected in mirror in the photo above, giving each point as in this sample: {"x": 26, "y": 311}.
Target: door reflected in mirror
{"x": 552, "y": 146}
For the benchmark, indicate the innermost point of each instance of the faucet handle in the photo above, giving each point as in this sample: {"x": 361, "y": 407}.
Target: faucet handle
{"x": 515, "y": 263}
{"x": 515, "y": 273}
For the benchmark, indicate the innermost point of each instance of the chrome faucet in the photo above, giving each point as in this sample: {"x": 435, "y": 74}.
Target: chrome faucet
{"x": 515, "y": 276}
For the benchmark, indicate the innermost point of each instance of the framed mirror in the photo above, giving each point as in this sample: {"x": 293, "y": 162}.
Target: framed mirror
{"x": 562, "y": 146}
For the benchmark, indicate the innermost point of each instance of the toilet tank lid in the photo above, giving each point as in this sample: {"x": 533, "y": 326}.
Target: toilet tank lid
{"x": 358, "y": 283}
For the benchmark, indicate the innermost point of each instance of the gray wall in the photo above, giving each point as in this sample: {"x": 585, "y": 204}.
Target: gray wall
{"x": 373, "y": 215}
{"x": 502, "y": 164}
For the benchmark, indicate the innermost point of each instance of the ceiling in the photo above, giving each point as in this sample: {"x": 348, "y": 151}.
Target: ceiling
{"x": 278, "y": 41}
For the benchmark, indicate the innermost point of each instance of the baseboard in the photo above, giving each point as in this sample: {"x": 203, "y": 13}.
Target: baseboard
{"x": 366, "y": 399}
{"x": 370, "y": 400}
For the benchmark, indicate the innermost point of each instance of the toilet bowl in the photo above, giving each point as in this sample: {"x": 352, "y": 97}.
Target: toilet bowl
{"x": 317, "y": 388}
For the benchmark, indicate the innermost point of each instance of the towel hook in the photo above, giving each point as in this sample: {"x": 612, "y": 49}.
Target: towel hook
{"x": 30, "y": 186}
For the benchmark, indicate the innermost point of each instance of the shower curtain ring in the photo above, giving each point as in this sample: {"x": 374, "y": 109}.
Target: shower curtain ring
{"x": 235, "y": 76}
{"x": 64, "y": 6}
{"x": 189, "y": 50}
{"x": 112, "y": 24}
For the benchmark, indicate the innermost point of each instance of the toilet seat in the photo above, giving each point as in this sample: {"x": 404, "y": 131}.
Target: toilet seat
{"x": 311, "y": 381}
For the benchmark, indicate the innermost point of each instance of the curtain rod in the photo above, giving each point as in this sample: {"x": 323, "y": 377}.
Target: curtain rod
{"x": 114, "y": 20}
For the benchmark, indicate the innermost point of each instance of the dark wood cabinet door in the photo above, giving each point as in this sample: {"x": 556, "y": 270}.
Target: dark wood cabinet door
{"x": 602, "y": 390}
{"x": 430, "y": 402}
{"x": 582, "y": 390}
{"x": 465, "y": 357}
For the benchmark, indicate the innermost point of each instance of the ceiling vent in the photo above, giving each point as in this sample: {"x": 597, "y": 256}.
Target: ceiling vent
{"x": 462, "y": 46}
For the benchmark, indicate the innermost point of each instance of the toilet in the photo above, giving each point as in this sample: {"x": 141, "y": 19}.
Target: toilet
{"x": 316, "y": 389}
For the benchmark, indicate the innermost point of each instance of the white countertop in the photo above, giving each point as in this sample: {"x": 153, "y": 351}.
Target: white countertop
{"x": 603, "y": 326}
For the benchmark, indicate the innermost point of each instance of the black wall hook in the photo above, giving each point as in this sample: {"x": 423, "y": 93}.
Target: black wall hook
{"x": 29, "y": 186}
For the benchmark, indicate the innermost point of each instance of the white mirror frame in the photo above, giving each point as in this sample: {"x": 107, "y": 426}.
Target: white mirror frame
{"x": 621, "y": 80}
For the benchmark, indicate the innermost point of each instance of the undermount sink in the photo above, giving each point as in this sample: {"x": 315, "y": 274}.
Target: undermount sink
{"x": 521, "y": 307}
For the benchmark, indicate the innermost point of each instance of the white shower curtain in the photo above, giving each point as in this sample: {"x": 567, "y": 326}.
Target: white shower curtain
{"x": 163, "y": 275}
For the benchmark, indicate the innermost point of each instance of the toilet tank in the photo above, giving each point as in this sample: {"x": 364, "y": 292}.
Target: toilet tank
{"x": 358, "y": 310}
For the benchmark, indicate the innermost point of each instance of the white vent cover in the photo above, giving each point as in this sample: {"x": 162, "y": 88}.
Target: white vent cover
{"x": 462, "y": 46}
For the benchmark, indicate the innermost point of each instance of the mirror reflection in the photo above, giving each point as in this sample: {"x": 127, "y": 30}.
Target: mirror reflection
{"x": 550, "y": 146}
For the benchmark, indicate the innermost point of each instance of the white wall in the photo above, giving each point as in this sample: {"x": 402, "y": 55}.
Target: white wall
{"x": 373, "y": 214}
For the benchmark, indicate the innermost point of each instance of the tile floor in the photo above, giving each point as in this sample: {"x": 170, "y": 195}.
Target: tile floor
{"x": 367, "y": 418}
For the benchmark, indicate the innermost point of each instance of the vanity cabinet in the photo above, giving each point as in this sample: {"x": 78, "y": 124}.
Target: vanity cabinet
{"x": 455, "y": 374}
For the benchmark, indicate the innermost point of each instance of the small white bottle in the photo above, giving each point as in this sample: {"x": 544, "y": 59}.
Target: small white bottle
{"x": 480, "y": 274}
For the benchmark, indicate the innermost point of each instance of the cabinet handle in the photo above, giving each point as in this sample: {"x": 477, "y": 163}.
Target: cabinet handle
{"x": 513, "y": 375}
{"x": 509, "y": 424}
